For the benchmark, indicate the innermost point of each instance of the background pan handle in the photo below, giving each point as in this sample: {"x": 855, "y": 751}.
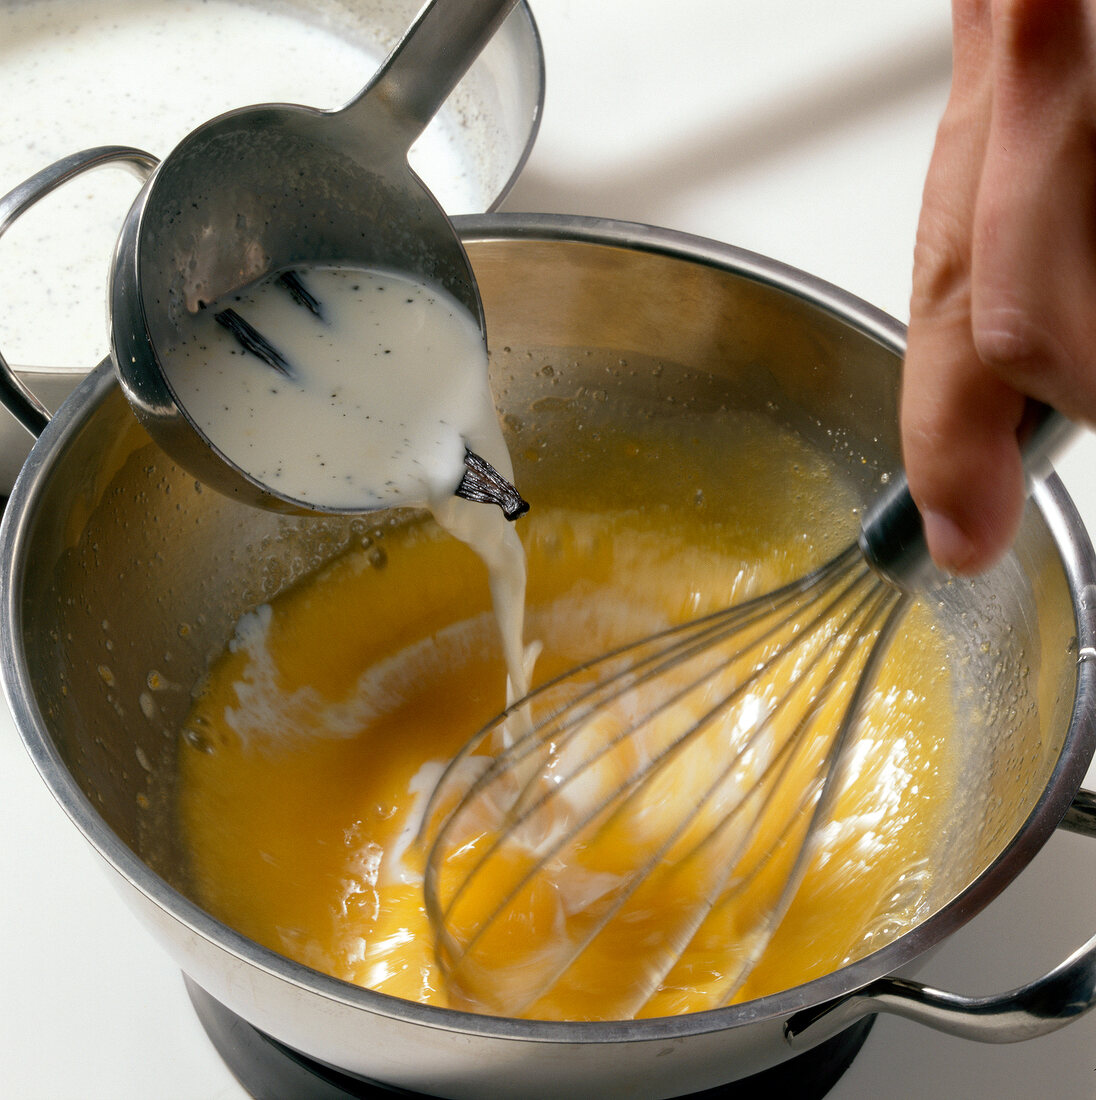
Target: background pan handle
{"x": 14, "y": 394}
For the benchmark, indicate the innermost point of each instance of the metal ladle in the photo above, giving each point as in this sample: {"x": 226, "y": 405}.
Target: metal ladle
{"x": 266, "y": 188}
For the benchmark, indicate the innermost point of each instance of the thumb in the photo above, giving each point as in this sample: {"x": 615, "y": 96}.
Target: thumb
{"x": 960, "y": 425}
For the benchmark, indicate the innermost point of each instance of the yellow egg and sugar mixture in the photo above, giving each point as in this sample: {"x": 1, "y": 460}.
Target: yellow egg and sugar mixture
{"x": 321, "y": 731}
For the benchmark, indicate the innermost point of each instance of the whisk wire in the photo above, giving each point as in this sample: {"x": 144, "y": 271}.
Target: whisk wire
{"x": 882, "y": 608}
{"x": 730, "y": 882}
{"x": 891, "y": 607}
{"x": 569, "y": 719}
{"x": 696, "y": 632}
{"x": 549, "y": 738}
{"x": 725, "y": 862}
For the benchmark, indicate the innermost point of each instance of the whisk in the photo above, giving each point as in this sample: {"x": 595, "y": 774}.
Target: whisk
{"x": 658, "y": 807}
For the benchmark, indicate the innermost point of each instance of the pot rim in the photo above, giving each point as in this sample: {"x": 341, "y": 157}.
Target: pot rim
{"x": 1074, "y": 548}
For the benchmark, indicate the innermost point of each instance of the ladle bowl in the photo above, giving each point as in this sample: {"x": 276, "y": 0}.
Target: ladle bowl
{"x": 264, "y": 189}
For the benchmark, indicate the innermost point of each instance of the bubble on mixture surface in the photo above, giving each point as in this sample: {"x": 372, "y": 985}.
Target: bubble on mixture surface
{"x": 376, "y": 555}
{"x": 196, "y": 735}
{"x": 156, "y": 681}
{"x": 902, "y": 907}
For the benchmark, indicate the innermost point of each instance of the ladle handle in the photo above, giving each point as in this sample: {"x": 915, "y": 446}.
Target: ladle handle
{"x": 892, "y": 537}
{"x": 429, "y": 61}
{"x": 14, "y": 394}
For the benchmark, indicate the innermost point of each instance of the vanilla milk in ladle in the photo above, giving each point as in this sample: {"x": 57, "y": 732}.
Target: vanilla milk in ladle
{"x": 266, "y": 190}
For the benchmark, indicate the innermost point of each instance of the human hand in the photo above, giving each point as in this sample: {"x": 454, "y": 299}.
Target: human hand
{"x": 1003, "y": 313}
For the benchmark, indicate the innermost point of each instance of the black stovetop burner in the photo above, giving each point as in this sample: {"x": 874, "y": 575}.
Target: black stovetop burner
{"x": 269, "y": 1070}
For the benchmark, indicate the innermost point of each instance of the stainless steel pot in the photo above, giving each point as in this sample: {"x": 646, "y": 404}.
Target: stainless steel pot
{"x": 124, "y": 576}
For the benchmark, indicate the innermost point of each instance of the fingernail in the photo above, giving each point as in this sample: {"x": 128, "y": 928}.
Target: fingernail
{"x": 951, "y": 548}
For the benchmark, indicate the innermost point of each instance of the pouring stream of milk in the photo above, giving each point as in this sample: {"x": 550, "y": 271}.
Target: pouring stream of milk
{"x": 387, "y": 391}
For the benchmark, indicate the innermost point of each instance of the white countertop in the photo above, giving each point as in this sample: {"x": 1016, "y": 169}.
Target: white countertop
{"x": 797, "y": 129}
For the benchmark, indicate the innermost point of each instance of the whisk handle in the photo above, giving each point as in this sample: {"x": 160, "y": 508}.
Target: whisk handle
{"x": 892, "y": 537}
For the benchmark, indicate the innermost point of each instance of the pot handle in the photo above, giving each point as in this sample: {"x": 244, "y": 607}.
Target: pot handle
{"x": 1048, "y": 1003}
{"x": 14, "y": 394}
